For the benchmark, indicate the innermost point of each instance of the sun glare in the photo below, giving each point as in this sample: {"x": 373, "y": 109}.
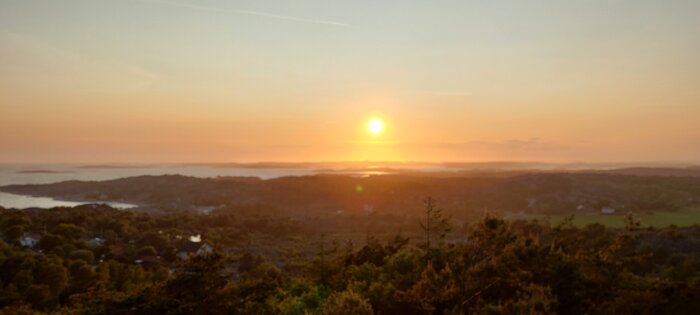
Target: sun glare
{"x": 375, "y": 126}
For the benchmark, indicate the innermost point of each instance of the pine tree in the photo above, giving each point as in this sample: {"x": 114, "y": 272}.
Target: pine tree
{"x": 435, "y": 223}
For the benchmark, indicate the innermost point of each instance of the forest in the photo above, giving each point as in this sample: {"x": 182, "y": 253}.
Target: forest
{"x": 93, "y": 259}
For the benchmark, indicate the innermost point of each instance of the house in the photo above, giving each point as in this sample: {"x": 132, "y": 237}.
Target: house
{"x": 190, "y": 249}
{"x": 607, "y": 210}
{"x": 29, "y": 240}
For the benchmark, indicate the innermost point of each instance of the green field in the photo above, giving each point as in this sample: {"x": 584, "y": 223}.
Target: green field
{"x": 686, "y": 217}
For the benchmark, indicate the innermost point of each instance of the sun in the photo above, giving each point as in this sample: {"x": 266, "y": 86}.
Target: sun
{"x": 375, "y": 126}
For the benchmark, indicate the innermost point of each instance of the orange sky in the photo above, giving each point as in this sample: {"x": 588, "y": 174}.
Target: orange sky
{"x": 220, "y": 81}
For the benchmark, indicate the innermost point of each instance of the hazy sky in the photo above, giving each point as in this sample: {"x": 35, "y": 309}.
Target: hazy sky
{"x": 298, "y": 80}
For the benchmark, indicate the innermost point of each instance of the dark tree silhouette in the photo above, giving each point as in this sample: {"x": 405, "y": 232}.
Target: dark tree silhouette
{"x": 436, "y": 225}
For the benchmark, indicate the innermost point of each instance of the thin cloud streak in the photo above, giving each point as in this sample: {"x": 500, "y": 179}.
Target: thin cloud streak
{"x": 252, "y": 13}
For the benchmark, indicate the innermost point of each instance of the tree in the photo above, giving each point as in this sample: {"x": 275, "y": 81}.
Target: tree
{"x": 54, "y": 275}
{"x": 84, "y": 255}
{"x": 82, "y": 276}
{"x": 69, "y": 231}
{"x": 169, "y": 253}
{"x": 38, "y": 295}
{"x": 13, "y": 233}
{"x": 147, "y": 251}
{"x": 435, "y": 223}
{"x": 199, "y": 287}
{"x": 347, "y": 303}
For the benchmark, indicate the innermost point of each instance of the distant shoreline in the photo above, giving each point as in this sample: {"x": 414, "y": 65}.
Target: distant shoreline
{"x": 47, "y": 202}
{"x": 43, "y": 172}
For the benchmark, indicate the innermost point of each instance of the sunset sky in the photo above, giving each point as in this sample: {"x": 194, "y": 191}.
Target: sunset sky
{"x": 299, "y": 80}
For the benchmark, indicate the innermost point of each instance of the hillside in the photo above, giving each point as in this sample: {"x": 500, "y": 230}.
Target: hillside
{"x": 547, "y": 193}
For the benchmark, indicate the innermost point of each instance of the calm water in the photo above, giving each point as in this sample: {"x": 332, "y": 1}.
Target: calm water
{"x": 21, "y": 202}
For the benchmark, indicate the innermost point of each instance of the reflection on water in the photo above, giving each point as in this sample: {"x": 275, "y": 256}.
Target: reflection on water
{"x": 22, "y": 202}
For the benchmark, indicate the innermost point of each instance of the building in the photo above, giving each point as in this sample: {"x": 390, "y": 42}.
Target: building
{"x": 190, "y": 249}
{"x": 29, "y": 240}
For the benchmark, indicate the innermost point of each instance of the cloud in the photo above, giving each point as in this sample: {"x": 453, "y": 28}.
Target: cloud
{"x": 252, "y": 13}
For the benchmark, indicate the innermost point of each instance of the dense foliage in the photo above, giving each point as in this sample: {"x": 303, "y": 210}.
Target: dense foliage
{"x": 489, "y": 266}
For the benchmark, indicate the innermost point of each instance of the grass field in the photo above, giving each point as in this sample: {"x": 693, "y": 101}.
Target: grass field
{"x": 657, "y": 219}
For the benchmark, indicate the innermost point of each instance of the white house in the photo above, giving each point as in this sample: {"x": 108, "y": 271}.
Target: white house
{"x": 29, "y": 240}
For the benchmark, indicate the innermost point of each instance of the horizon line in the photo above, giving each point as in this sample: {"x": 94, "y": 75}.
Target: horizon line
{"x": 445, "y": 162}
